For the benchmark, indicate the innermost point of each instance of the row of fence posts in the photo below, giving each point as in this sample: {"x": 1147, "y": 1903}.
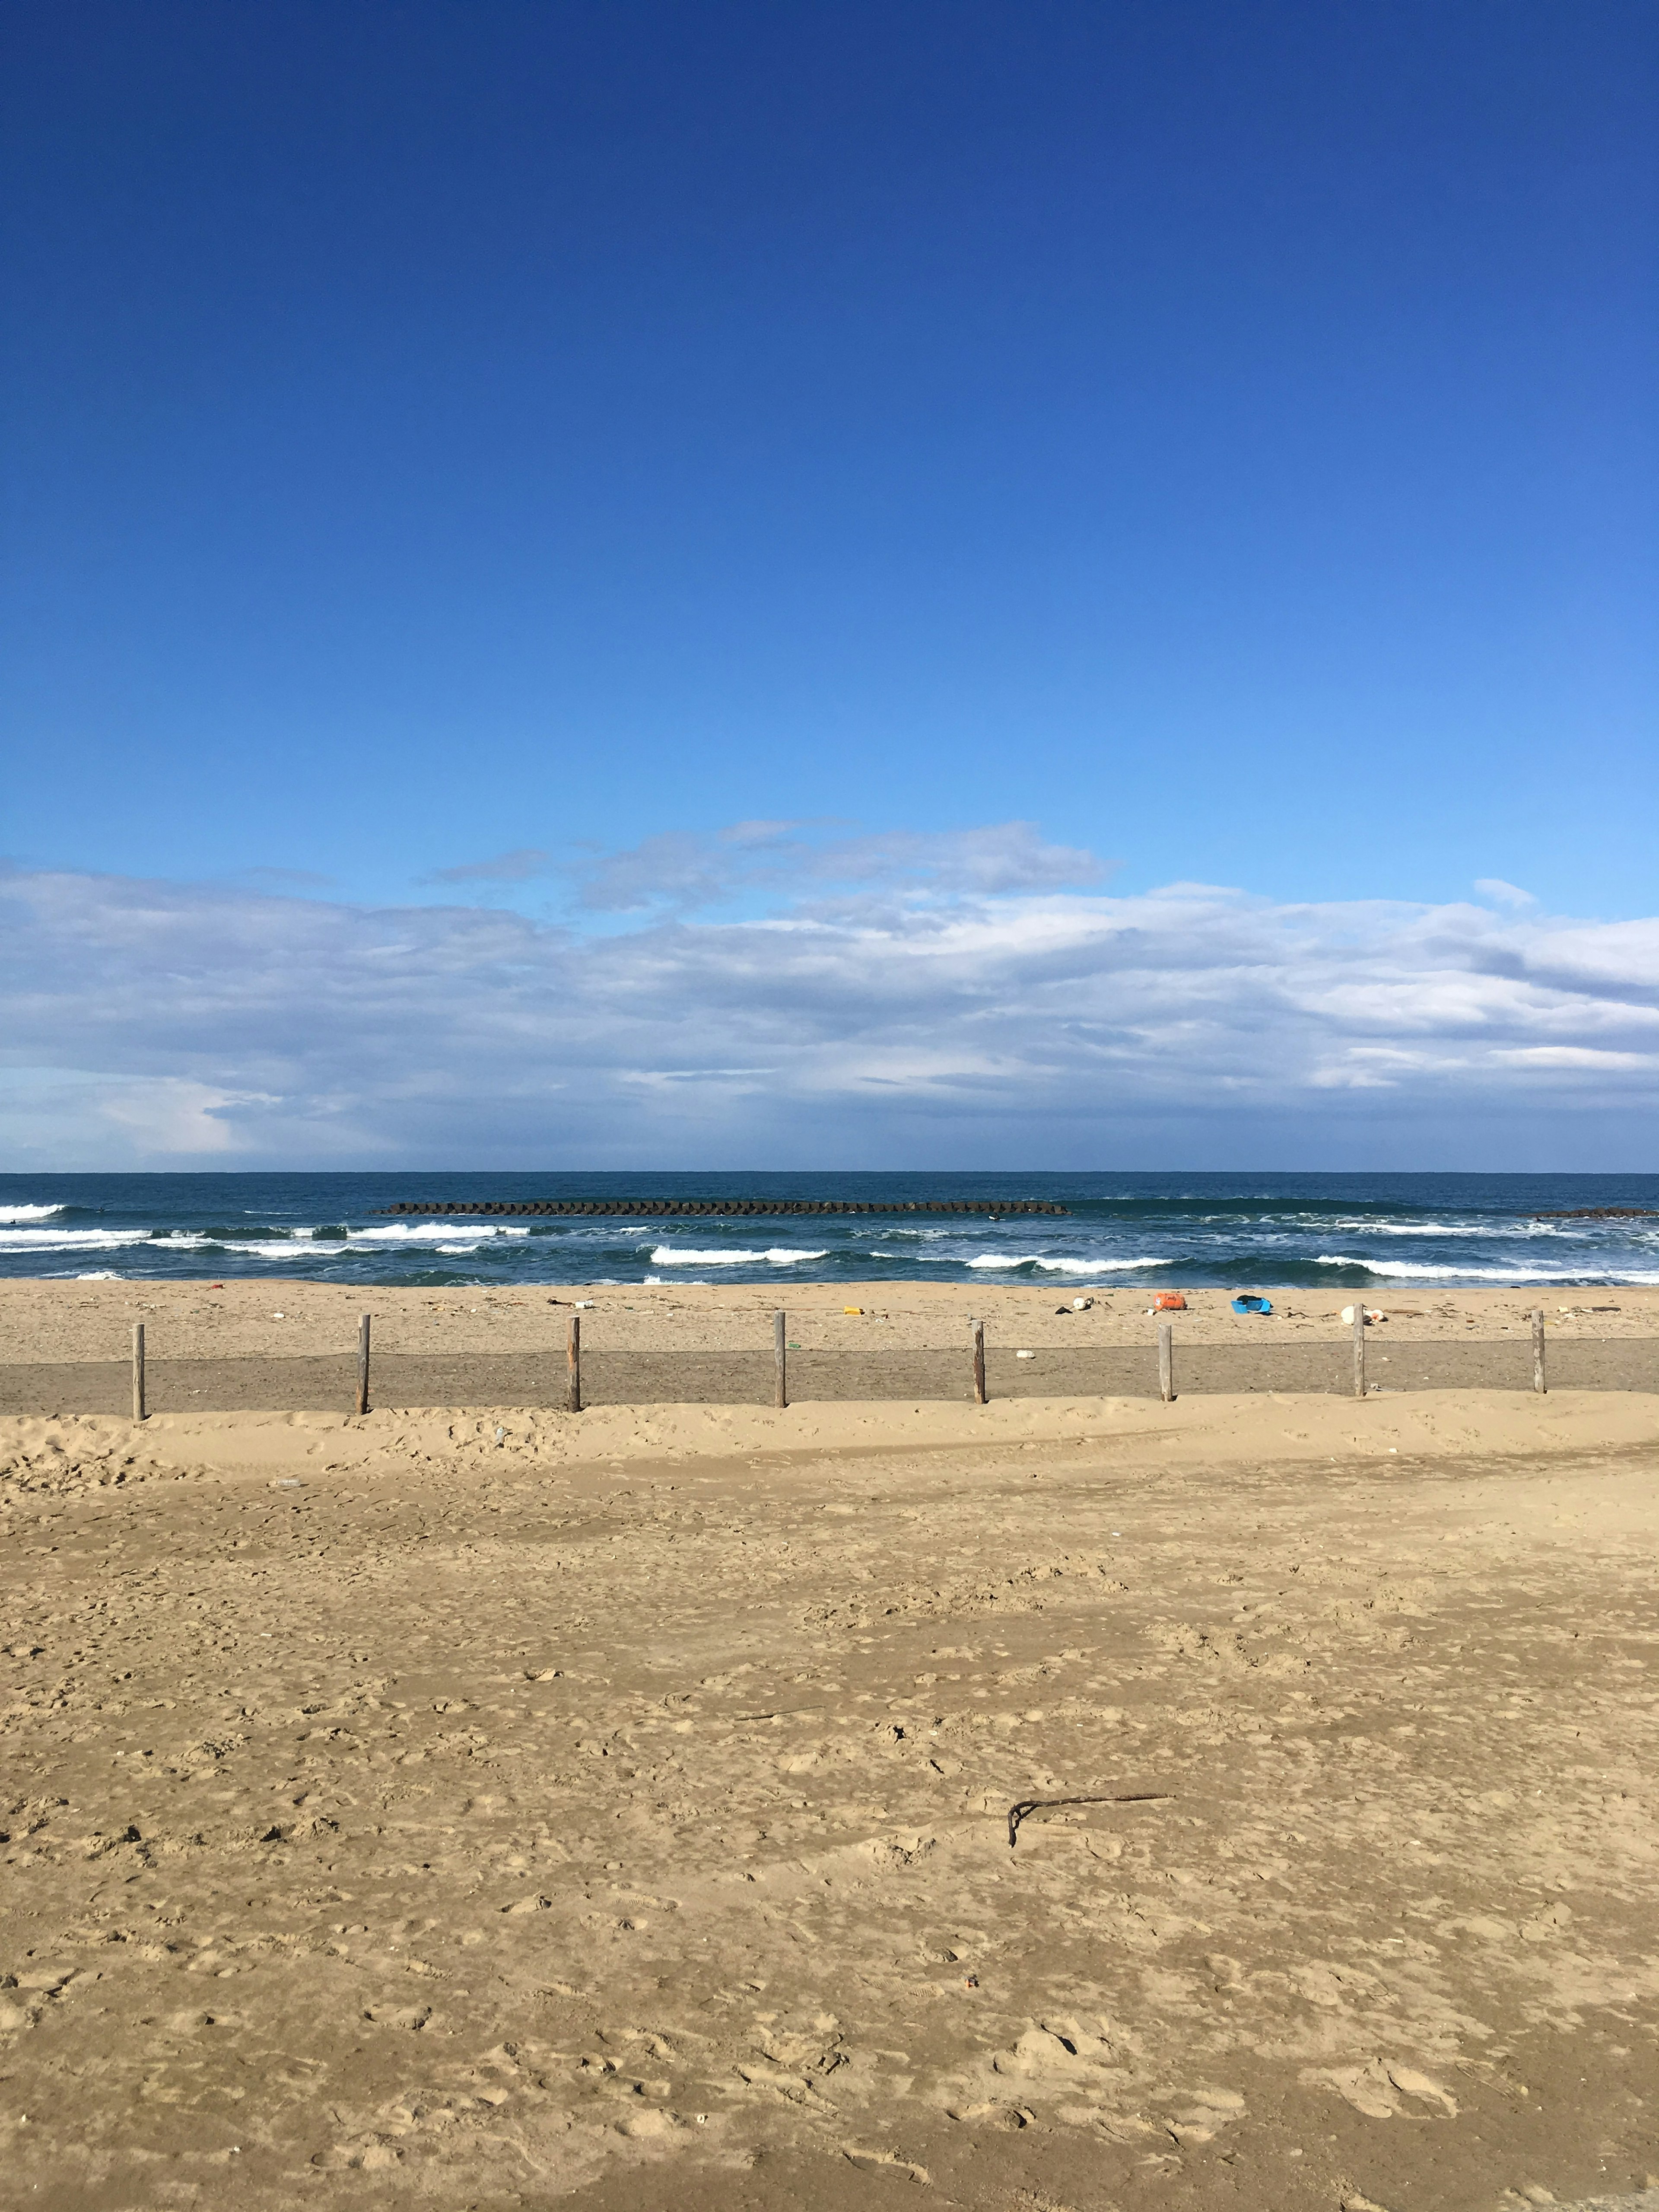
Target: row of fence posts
{"x": 1537, "y": 1382}
{"x": 573, "y": 1397}
{"x": 139, "y": 1408}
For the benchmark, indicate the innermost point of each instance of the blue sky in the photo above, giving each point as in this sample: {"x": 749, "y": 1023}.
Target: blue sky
{"x": 478, "y": 457}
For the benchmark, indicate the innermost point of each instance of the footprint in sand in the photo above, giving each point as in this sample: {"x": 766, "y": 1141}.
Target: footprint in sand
{"x": 1203, "y": 2113}
{"x": 887, "y": 2162}
{"x": 1411, "y": 2083}
{"x": 1041, "y": 2053}
{"x": 1377, "y": 2088}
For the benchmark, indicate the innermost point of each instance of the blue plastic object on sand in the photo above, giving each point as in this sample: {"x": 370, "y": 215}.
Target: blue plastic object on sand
{"x": 1248, "y": 1304}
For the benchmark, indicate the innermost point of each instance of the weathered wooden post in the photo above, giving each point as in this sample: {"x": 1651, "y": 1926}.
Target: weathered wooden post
{"x": 139, "y": 1370}
{"x": 1359, "y": 1352}
{"x": 979, "y": 1363}
{"x": 1538, "y": 1382}
{"x": 362, "y": 1363}
{"x": 1166, "y": 1361}
{"x": 780, "y": 1362}
{"x": 573, "y": 1356}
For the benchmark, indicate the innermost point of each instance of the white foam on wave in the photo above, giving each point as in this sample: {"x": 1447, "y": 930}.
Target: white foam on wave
{"x": 298, "y": 1247}
{"x": 100, "y": 1275}
{"x": 1426, "y": 1272}
{"x": 1471, "y": 1231}
{"x": 259, "y": 1251}
{"x": 672, "y": 1255}
{"x": 69, "y": 1240}
{"x": 1064, "y": 1266}
{"x": 428, "y": 1232}
{"x": 29, "y": 1212}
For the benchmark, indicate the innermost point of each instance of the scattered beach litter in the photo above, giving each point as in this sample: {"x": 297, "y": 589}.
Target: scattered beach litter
{"x": 1169, "y": 1302}
{"x": 1248, "y": 1303}
{"x": 1025, "y": 1355}
{"x": 1371, "y": 1313}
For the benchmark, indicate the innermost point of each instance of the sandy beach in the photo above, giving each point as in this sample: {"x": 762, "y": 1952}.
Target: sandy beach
{"x": 504, "y": 1808}
{"x": 263, "y": 1318}
{"x": 289, "y": 1346}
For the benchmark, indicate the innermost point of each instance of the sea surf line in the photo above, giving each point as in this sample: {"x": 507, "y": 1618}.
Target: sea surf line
{"x": 1320, "y": 1232}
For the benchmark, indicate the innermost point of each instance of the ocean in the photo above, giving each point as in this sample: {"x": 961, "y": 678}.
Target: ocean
{"x": 1344, "y": 1231}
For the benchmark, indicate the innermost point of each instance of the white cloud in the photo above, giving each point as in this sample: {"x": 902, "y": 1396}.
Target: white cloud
{"x": 1494, "y": 888}
{"x": 955, "y": 1010}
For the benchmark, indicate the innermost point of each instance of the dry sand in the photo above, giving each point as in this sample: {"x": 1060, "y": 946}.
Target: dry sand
{"x": 288, "y": 1345}
{"x": 500, "y": 1809}
{"x": 293, "y": 1318}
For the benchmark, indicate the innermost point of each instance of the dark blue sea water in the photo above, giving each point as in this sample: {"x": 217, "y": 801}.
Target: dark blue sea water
{"x": 1335, "y": 1230}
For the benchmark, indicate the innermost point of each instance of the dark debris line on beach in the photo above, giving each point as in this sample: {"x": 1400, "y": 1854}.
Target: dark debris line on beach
{"x": 632, "y": 1207}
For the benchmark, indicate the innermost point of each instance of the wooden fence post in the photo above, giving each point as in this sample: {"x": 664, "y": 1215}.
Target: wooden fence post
{"x": 1538, "y": 1382}
{"x": 1166, "y": 1361}
{"x": 979, "y": 1363}
{"x": 139, "y": 1370}
{"x": 362, "y": 1363}
{"x": 780, "y": 1361}
{"x": 1359, "y": 1352}
{"x": 573, "y": 1355}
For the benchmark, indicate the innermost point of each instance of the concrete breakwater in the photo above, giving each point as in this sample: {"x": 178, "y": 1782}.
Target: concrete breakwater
{"x": 659, "y": 1207}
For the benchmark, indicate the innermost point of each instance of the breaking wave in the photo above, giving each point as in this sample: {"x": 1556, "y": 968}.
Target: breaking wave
{"x": 1007, "y": 1260}
{"x": 678, "y": 1255}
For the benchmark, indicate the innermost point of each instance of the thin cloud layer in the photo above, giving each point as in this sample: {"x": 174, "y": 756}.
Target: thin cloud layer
{"x": 518, "y": 866}
{"x": 966, "y": 1015}
{"x": 688, "y": 872}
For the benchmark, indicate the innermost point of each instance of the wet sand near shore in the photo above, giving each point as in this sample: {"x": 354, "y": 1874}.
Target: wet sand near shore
{"x": 612, "y": 1810}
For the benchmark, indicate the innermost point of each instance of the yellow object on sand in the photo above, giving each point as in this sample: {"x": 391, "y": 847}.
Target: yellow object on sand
{"x": 857, "y": 1310}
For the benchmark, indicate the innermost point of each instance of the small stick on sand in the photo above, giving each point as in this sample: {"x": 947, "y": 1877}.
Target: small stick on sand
{"x": 573, "y": 1355}
{"x": 979, "y": 1363}
{"x": 1166, "y": 1361}
{"x": 1538, "y": 1382}
{"x": 362, "y": 1363}
{"x": 137, "y": 1371}
{"x": 780, "y": 1361}
{"x": 1360, "y": 1351}
{"x": 1027, "y": 1805}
